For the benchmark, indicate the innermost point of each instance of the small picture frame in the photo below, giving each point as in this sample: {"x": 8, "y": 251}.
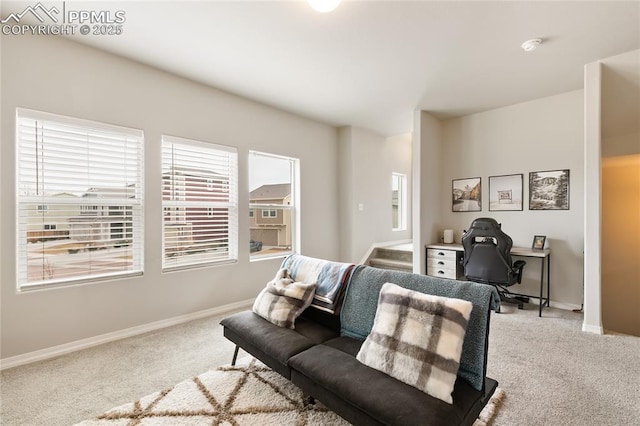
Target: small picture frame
{"x": 538, "y": 242}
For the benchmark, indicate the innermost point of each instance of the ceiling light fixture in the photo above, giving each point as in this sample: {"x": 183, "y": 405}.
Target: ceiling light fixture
{"x": 323, "y": 5}
{"x": 531, "y": 45}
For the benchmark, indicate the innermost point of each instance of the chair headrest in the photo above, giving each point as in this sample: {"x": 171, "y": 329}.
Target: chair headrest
{"x": 485, "y": 228}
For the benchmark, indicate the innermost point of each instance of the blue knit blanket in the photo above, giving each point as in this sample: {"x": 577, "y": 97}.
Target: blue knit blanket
{"x": 330, "y": 277}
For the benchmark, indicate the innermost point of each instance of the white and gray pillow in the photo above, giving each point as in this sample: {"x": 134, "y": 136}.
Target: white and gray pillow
{"x": 417, "y": 338}
{"x": 283, "y": 300}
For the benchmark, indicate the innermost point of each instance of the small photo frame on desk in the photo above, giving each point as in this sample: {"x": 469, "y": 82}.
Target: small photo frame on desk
{"x": 538, "y": 242}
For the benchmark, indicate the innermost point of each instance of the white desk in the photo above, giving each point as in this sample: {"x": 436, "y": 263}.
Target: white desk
{"x": 543, "y": 255}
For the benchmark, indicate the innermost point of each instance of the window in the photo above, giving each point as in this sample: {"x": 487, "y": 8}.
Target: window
{"x": 199, "y": 203}
{"x": 90, "y": 210}
{"x": 250, "y": 212}
{"x": 399, "y": 201}
{"x": 73, "y": 169}
{"x": 274, "y": 184}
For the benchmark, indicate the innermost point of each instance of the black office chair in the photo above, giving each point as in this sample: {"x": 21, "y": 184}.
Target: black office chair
{"x": 487, "y": 259}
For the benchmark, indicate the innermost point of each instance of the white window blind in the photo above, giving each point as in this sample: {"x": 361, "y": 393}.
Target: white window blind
{"x": 199, "y": 203}
{"x": 80, "y": 194}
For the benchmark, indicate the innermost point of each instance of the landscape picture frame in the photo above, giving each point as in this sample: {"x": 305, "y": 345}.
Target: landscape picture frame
{"x": 549, "y": 190}
{"x": 505, "y": 192}
{"x": 466, "y": 195}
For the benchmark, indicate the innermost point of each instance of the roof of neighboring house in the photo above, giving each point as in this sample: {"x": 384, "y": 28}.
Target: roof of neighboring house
{"x": 270, "y": 192}
{"x": 102, "y": 191}
{"x": 64, "y": 194}
{"x": 190, "y": 171}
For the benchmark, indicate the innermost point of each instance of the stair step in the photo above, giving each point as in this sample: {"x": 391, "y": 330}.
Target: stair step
{"x": 396, "y": 265}
{"x": 394, "y": 254}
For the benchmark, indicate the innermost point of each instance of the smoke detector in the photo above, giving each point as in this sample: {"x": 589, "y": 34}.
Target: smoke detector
{"x": 531, "y": 45}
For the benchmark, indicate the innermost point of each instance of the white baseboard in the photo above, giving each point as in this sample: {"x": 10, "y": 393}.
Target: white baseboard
{"x": 592, "y": 328}
{"x": 558, "y": 305}
{"x": 77, "y": 345}
{"x": 565, "y": 306}
{"x": 616, "y": 333}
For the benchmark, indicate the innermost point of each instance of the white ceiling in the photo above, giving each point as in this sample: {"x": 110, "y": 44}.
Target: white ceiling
{"x": 372, "y": 63}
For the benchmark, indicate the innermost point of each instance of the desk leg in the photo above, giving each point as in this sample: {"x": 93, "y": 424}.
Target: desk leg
{"x": 548, "y": 282}
{"x": 540, "y": 303}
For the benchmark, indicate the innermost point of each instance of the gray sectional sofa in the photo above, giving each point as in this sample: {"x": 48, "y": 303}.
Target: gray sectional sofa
{"x": 319, "y": 355}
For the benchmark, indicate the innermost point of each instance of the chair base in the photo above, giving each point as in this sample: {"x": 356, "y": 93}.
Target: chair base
{"x": 507, "y": 297}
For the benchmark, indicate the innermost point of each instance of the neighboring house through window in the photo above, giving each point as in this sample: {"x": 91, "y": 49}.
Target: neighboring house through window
{"x": 75, "y": 170}
{"x": 274, "y": 183}
{"x": 199, "y": 202}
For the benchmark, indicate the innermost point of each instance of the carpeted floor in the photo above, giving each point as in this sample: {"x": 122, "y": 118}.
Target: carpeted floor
{"x": 247, "y": 394}
{"x": 555, "y": 374}
{"x": 552, "y": 373}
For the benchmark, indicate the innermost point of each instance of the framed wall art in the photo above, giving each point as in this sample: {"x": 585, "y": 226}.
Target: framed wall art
{"x": 549, "y": 190}
{"x": 505, "y": 192}
{"x": 466, "y": 195}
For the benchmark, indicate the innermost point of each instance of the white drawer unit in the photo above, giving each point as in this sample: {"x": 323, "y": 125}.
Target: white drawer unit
{"x": 441, "y": 254}
{"x": 444, "y": 263}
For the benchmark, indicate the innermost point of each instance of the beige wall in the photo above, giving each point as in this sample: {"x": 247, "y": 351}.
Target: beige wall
{"x": 427, "y": 176}
{"x": 621, "y": 144}
{"x": 621, "y": 244}
{"x": 59, "y": 76}
{"x": 620, "y": 250}
{"x": 544, "y": 134}
{"x": 367, "y": 161}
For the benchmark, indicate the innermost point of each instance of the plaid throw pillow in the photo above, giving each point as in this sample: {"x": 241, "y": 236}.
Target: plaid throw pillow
{"x": 417, "y": 338}
{"x": 283, "y": 300}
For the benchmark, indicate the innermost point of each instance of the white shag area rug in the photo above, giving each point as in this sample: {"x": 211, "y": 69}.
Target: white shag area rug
{"x": 246, "y": 394}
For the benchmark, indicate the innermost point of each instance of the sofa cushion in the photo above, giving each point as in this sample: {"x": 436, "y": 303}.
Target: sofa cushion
{"x": 361, "y": 301}
{"x": 362, "y": 395}
{"x": 283, "y": 300}
{"x": 271, "y": 344}
{"x": 417, "y": 339}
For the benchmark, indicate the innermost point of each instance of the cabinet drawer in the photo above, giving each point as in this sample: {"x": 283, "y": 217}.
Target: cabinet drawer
{"x": 443, "y": 273}
{"x": 442, "y": 254}
{"x": 441, "y": 263}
